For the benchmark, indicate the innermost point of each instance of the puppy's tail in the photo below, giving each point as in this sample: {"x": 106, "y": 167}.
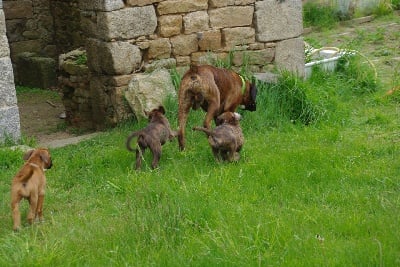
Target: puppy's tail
{"x": 129, "y": 139}
{"x": 202, "y": 129}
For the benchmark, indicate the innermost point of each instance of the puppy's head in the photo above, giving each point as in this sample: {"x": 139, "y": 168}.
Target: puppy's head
{"x": 40, "y": 154}
{"x": 157, "y": 112}
{"x": 228, "y": 117}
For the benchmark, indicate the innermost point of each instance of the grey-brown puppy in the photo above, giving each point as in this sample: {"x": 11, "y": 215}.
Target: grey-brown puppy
{"x": 30, "y": 183}
{"x": 226, "y": 140}
{"x": 153, "y": 136}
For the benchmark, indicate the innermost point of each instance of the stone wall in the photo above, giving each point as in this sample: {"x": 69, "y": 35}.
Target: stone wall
{"x": 135, "y": 35}
{"x": 74, "y": 82}
{"x": 9, "y": 115}
{"x": 123, "y": 37}
{"x": 44, "y": 29}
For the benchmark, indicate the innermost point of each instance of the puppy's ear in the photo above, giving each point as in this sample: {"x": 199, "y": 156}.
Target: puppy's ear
{"x": 161, "y": 109}
{"x": 44, "y": 156}
{"x": 237, "y": 116}
{"x": 27, "y": 155}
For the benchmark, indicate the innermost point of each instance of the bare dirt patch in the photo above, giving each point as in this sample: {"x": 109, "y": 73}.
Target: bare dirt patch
{"x": 40, "y": 115}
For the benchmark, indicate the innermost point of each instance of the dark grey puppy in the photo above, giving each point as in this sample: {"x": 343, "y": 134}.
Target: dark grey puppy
{"x": 153, "y": 136}
{"x": 226, "y": 140}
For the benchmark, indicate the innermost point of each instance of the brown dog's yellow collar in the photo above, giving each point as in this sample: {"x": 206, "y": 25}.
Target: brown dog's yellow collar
{"x": 243, "y": 84}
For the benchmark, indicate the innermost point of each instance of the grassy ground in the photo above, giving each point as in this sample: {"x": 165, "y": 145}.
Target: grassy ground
{"x": 321, "y": 194}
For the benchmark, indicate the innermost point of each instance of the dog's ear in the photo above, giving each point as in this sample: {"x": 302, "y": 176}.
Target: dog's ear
{"x": 27, "y": 155}
{"x": 237, "y": 116}
{"x": 44, "y": 156}
{"x": 161, "y": 109}
{"x": 253, "y": 91}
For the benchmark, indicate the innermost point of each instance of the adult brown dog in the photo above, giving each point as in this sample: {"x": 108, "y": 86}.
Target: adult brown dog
{"x": 30, "y": 183}
{"x": 226, "y": 140}
{"x": 215, "y": 90}
{"x": 153, "y": 136}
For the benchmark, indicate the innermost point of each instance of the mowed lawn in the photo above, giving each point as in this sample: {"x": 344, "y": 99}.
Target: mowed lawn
{"x": 319, "y": 192}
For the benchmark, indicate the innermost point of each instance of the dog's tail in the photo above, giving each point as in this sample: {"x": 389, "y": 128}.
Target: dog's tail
{"x": 208, "y": 132}
{"x": 129, "y": 139}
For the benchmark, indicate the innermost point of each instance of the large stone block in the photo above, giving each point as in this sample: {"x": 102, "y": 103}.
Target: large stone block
{"x": 222, "y": 3}
{"x": 4, "y": 49}
{"x": 141, "y": 2}
{"x": 148, "y": 91}
{"x": 108, "y": 104}
{"x": 170, "y": 25}
{"x": 18, "y": 9}
{"x": 183, "y": 45}
{"x": 114, "y": 58}
{"x": 36, "y": 71}
{"x": 210, "y": 40}
{"x": 289, "y": 55}
{"x": 7, "y": 89}
{"x": 101, "y": 5}
{"x": 127, "y": 23}
{"x": 278, "y": 20}
{"x": 233, "y": 16}
{"x": 159, "y": 49}
{"x": 238, "y": 36}
{"x": 257, "y": 57}
{"x": 181, "y": 6}
{"x": 9, "y": 123}
{"x": 2, "y": 23}
{"x": 17, "y": 48}
{"x": 196, "y": 22}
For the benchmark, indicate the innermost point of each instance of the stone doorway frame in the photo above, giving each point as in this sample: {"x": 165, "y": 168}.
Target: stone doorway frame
{"x": 9, "y": 113}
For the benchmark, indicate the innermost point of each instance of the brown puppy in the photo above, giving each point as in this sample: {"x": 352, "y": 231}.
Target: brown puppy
{"x": 30, "y": 183}
{"x": 215, "y": 90}
{"x": 226, "y": 140}
{"x": 153, "y": 136}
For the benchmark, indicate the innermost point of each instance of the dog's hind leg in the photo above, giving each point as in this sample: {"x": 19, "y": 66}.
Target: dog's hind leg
{"x": 184, "y": 108}
{"x": 16, "y": 215}
{"x": 156, "y": 151}
{"x": 33, "y": 203}
{"x": 39, "y": 210}
{"x": 212, "y": 111}
{"x": 139, "y": 155}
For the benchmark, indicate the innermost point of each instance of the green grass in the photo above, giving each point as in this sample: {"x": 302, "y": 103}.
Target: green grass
{"x": 326, "y": 194}
{"x": 315, "y": 190}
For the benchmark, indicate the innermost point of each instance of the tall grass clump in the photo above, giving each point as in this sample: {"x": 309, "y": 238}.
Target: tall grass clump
{"x": 319, "y": 16}
{"x": 287, "y": 100}
{"x": 358, "y": 75}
